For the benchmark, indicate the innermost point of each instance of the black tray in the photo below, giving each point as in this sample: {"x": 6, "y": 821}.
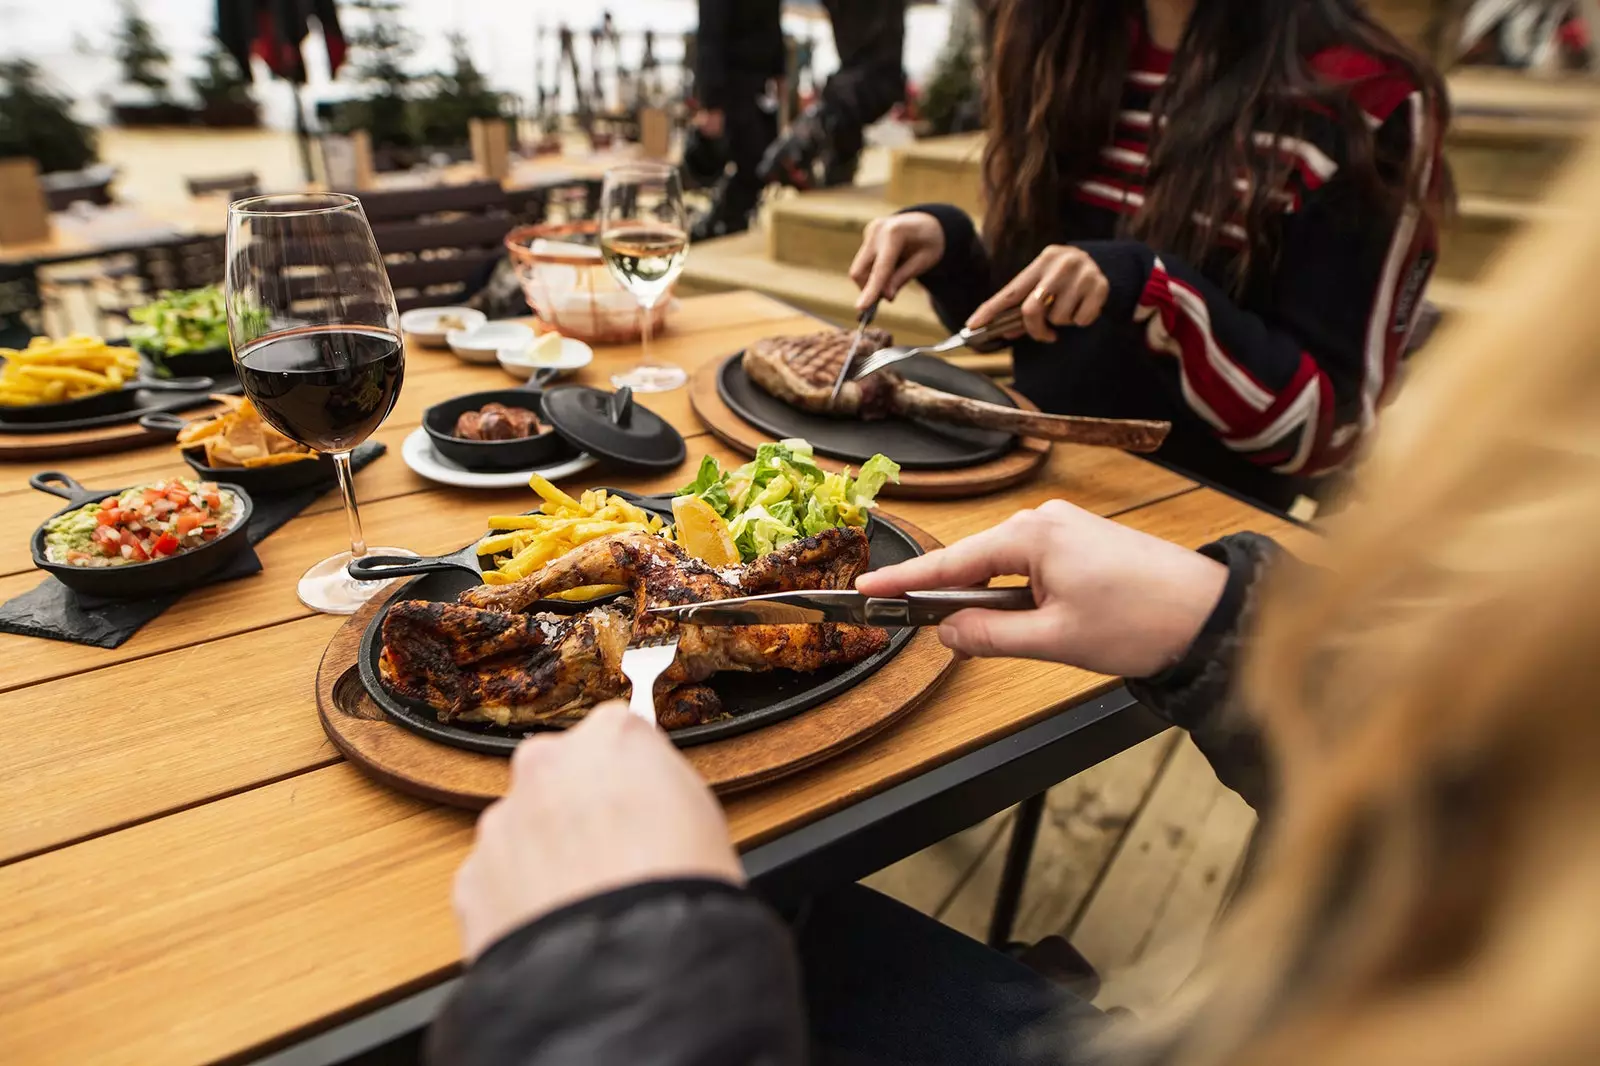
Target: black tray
{"x": 913, "y": 443}
{"x": 146, "y": 403}
{"x": 755, "y": 700}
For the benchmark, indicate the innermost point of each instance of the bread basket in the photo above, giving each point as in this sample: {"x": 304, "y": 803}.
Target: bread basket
{"x": 568, "y": 286}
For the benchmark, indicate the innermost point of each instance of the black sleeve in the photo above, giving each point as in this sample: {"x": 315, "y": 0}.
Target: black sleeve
{"x": 963, "y": 279}
{"x": 711, "y": 63}
{"x": 1194, "y": 693}
{"x": 668, "y": 973}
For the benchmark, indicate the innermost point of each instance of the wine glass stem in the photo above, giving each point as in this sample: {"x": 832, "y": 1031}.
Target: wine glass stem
{"x": 646, "y": 311}
{"x": 347, "y": 488}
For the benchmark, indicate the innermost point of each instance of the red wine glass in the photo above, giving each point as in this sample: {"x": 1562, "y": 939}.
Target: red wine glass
{"x": 316, "y": 343}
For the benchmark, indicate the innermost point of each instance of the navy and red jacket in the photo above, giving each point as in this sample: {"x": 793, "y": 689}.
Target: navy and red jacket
{"x": 1272, "y": 385}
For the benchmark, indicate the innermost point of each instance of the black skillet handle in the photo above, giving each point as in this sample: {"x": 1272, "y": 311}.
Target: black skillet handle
{"x": 162, "y": 422}
{"x": 541, "y": 377}
{"x": 384, "y": 567}
{"x": 620, "y": 407}
{"x": 58, "y": 484}
{"x": 175, "y": 384}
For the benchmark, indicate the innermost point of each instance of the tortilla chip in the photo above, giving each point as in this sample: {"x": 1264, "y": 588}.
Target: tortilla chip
{"x": 279, "y": 459}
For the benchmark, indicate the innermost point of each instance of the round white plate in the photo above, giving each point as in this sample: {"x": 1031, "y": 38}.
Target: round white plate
{"x": 417, "y": 452}
{"x": 481, "y": 345}
{"x": 574, "y": 356}
{"x": 421, "y": 324}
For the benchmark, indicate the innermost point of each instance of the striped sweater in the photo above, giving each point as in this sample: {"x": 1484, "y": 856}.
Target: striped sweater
{"x": 1284, "y": 379}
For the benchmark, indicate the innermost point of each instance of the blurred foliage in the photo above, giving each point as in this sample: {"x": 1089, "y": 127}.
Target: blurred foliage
{"x": 143, "y": 60}
{"x": 380, "y": 48}
{"x": 458, "y": 96}
{"x": 222, "y": 82}
{"x": 953, "y": 99}
{"x": 37, "y": 123}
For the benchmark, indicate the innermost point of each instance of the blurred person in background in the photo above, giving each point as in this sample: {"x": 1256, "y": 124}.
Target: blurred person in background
{"x": 739, "y": 67}
{"x": 1417, "y": 716}
{"x": 1219, "y": 213}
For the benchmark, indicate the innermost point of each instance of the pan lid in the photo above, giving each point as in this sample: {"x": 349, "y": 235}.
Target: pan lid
{"x": 612, "y": 426}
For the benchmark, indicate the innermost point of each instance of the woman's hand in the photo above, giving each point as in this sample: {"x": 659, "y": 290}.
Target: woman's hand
{"x": 895, "y": 250}
{"x": 1110, "y": 599}
{"x": 609, "y": 803}
{"x": 1062, "y": 287}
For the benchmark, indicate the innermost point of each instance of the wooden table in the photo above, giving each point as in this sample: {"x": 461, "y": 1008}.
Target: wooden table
{"x": 189, "y": 871}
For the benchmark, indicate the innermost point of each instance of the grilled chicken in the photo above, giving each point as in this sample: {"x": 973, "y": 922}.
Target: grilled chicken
{"x": 801, "y": 371}
{"x": 484, "y": 660}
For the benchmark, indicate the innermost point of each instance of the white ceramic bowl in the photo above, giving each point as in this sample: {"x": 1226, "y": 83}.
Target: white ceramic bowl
{"x": 483, "y": 344}
{"x": 422, "y": 325}
{"x": 573, "y": 357}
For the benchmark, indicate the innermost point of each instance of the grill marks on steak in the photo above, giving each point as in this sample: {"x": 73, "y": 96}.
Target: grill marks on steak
{"x": 801, "y": 371}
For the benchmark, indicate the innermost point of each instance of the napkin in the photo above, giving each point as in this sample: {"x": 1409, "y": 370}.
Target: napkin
{"x": 55, "y": 612}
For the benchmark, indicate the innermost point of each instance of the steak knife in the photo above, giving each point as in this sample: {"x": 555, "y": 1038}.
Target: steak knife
{"x": 855, "y": 342}
{"x": 800, "y": 608}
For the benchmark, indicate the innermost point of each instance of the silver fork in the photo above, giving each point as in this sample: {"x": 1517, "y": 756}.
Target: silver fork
{"x": 642, "y": 663}
{"x": 886, "y": 357}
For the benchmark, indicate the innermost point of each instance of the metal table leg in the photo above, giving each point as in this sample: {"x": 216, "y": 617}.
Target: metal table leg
{"x": 1019, "y": 852}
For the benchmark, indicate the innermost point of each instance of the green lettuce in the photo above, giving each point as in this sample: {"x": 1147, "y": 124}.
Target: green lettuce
{"x": 782, "y": 494}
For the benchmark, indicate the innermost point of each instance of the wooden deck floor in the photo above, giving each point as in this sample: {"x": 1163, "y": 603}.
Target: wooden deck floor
{"x": 1134, "y": 861}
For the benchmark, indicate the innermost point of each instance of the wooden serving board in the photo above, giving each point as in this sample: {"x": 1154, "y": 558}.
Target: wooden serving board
{"x": 1016, "y": 466}
{"x": 124, "y": 436}
{"x": 411, "y": 763}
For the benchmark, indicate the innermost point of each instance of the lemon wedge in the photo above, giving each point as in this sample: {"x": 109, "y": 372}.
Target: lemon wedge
{"x": 546, "y": 350}
{"x": 702, "y": 532}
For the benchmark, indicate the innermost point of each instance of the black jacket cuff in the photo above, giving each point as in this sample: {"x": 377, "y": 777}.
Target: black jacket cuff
{"x": 962, "y": 278}
{"x": 677, "y": 973}
{"x": 1196, "y": 693}
{"x": 1126, "y": 266}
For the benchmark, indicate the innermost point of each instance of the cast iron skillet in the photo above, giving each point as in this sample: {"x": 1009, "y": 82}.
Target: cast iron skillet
{"x": 258, "y": 481}
{"x": 211, "y": 362}
{"x": 102, "y": 403}
{"x": 523, "y": 453}
{"x": 754, "y": 700}
{"x": 914, "y": 444}
{"x": 135, "y": 580}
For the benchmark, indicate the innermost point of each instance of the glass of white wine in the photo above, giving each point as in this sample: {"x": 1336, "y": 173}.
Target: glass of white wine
{"x": 644, "y": 237}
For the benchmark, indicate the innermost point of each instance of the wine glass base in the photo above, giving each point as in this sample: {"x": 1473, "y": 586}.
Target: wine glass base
{"x": 652, "y": 377}
{"x": 328, "y": 589}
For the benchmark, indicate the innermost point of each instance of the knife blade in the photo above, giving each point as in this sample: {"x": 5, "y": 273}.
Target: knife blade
{"x": 861, "y": 329}
{"x": 824, "y": 605}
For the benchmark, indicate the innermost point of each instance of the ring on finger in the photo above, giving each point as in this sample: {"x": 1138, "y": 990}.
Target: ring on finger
{"x": 1044, "y": 296}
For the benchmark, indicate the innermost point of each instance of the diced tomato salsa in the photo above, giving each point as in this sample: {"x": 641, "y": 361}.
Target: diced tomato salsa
{"x": 148, "y": 522}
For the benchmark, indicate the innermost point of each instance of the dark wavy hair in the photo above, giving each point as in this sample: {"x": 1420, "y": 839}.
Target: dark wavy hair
{"x": 1055, "y": 82}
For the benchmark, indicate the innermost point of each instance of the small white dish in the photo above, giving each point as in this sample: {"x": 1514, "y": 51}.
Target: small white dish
{"x": 573, "y": 357}
{"x": 422, "y": 324}
{"x": 417, "y": 452}
{"x": 483, "y": 344}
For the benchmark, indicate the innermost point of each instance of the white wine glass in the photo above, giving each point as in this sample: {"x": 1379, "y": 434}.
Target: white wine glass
{"x": 316, "y": 343}
{"x": 644, "y": 237}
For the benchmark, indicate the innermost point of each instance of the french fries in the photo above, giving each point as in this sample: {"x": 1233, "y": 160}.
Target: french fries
{"x": 51, "y": 371}
{"x": 529, "y": 541}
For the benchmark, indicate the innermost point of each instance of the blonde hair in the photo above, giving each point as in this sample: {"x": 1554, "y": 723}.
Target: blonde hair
{"x": 1430, "y": 892}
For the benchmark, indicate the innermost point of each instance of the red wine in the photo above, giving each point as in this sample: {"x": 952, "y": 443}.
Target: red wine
{"x": 327, "y": 387}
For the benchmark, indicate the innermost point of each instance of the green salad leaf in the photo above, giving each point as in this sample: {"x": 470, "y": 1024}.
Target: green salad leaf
{"x": 177, "y": 323}
{"x": 782, "y": 495}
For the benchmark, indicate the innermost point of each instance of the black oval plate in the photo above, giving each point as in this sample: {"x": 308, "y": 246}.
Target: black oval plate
{"x": 754, "y": 700}
{"x": 913, "y": 443}
{"x": 144, "y": 404}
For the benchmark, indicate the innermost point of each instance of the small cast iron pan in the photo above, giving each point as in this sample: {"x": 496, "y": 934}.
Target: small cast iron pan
{"x": 136, "y": 580}
{"x": 101, "y": 403}
{"x": 524, "y": 453}
{"x": 210, "y": 362}
{"x": 258, "y": 481}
